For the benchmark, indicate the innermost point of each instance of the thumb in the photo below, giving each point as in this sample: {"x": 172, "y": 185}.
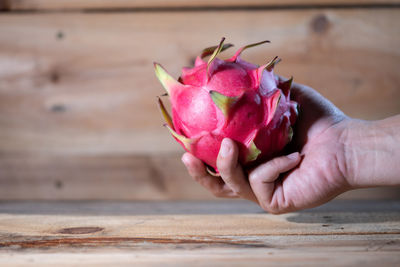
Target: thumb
{"x": 262, "y": 180}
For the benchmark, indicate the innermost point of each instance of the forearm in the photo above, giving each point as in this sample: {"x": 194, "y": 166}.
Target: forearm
{"x": 372, "y": 152}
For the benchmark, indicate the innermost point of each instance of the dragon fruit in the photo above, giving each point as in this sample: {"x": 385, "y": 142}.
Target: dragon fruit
{"x": 229, "y": 98}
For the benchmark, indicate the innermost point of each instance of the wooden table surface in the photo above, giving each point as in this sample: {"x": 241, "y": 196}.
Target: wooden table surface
{"x": 223, "y": 233}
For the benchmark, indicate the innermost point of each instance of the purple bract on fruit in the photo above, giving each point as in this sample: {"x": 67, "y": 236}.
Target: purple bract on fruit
{"x": 229, "y": 98}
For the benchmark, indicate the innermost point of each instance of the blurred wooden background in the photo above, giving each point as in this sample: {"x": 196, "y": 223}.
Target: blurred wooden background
{"x": 78, "y": 115}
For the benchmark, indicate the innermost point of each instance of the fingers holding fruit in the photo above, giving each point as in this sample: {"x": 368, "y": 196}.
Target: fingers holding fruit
{"x": 231, "y": 171}
{"x": 197, "y": 171}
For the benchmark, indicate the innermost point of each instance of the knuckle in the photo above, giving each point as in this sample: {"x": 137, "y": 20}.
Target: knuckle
{"x": 275, "y": 211}
{"x": 225, "y": 169}
{"x": 275, "y": 163}
{"x": 261, "y": 176}
{"x": 237, "y": 191}
{"x": 253, "y": 177}
{"x": 271, "y": 208}
{"x": 218, "y": 193}
{"x": 274, "y": 207}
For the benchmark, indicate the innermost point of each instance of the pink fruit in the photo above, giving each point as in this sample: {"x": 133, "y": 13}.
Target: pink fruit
{"x": 229, "y": 98}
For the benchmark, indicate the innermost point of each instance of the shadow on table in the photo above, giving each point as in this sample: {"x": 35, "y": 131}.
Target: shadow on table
{"x": 345, "y": 217}
{"x": 350, "y": 211}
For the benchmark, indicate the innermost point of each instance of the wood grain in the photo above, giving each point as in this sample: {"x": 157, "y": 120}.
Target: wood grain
{"x": 138, "y": 177}
{"x": 78, "y": 117}
{"x": 83, "y": 83}
{"x": 347, "y": 256}
{"x": 121, "y": 4}
{"x": 365, "y": 234}
{"x": 113, "y": 177}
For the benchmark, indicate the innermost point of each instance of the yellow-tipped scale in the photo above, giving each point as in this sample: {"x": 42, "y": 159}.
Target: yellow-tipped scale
{"x": 167, "y": 81}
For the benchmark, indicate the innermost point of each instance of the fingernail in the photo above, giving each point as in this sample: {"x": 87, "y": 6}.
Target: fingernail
{"x": 294, "y": 155}
{"x": 225, "y": 148}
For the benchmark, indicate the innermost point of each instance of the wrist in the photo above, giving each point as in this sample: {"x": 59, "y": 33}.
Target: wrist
{"x": 372, "y": 152}
{"x": 355, "y": 148}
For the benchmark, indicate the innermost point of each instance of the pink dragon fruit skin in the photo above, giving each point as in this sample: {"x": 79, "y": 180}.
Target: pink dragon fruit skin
{"x": 229, "y": 98}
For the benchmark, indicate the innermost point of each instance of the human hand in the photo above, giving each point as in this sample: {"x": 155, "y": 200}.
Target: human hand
{"x": 287, "y": 183}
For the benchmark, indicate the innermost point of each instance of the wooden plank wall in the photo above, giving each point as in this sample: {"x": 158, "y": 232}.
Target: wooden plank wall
{"x": 34, "y": 5}
{"x": 78, "y": 118}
